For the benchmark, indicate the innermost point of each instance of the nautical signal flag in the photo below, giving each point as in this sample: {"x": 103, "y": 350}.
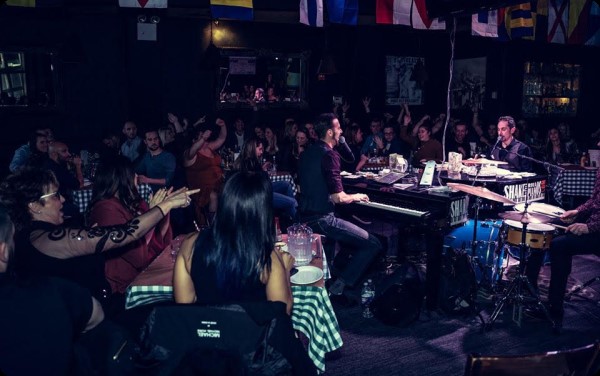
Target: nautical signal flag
{"x": 311, "y": 12}
{"x": 343, "y": 11}
{"x": 406, "y": 12}
{"x": 232, "y": 9}
{"x": 146, "y": 4}
{"x": 35, "y": 3}
{"x": 485, "y": 24}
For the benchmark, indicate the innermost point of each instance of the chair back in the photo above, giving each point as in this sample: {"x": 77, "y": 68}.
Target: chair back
{"x": 172, "y": 333}
{"x": 582, "y": 361}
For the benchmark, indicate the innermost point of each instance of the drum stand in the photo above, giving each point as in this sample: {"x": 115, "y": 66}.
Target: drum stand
{"x": 515, "y": 292}
{"x": 474, "y": 242}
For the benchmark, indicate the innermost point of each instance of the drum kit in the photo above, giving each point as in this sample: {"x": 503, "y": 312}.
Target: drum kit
{"x": 527, "y": 228}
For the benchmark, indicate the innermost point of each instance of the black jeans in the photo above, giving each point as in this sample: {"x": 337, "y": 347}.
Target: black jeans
{"x": 562, "y": 250}
{"x": 365, "y": 246}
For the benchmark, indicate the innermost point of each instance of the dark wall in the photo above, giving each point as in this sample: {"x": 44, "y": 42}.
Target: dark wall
{"x": 107, "y": 76}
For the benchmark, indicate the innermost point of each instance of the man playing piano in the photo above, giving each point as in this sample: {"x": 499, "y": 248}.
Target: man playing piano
{"x": 321, "y": 185}
{"x": 508, "y": 148}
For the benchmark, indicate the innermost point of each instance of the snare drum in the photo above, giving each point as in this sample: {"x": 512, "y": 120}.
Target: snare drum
{"x": 538, "y": 235}
{"x": 541, "y": 208}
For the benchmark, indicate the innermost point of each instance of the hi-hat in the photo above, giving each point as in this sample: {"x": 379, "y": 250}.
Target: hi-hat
{"x": 525, "y": 217}
{"x": 482, "y": 161}
{"x": 481, "y": 192}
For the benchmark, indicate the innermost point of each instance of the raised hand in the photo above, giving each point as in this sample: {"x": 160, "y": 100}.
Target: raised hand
{"x": 159, "y": 196}
{"x": 172, "y": 118}
{"x": 345, "y": 107}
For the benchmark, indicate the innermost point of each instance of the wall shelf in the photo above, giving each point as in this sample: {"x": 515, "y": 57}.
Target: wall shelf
{"x": 550, "y": 89}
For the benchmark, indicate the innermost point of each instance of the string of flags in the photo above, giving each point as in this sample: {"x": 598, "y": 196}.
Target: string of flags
{"x": 552, "y": 21}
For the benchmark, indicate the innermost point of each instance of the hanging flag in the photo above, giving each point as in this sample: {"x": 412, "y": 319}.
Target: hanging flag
{"x": 520, "y": 22}
{"x": 539, "y": 9}
{"x": 311, "y": 12}
{"x": 406, "y": 12}
{"x": 143, "y": 3}
{"x": 592, "y": 37}
{"x": 515, "y": 22}
{"x": 420, "y": 20}
{"x": 558, "y": 21}
{"x": 579, "y": 14}
{"x": 343, "y": 11}
{"x": 485, "y": 24}
{"x": 396, "y": 12}
{"x": 232, "y": 9}
{"x": 35, "y": 3}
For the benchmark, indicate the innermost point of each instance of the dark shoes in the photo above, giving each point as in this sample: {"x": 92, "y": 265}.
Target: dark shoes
{"x": 556, "y": 315}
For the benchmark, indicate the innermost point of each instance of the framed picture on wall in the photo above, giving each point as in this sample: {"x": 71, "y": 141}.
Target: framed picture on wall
{"x": 468, "y": 83}
{"x": 401, "y": 85}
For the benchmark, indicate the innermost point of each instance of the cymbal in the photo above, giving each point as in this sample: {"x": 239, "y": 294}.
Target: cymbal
{"x": 481, "y": 192}
{"x": 482, "y": 161}
{"x": 525, "y": 217}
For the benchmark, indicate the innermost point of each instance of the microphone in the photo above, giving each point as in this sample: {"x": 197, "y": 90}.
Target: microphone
{"x": 496, "y": 144}
{"x": 344, "y": 150}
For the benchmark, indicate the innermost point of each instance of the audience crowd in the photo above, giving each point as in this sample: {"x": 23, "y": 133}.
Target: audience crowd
{"x": 67, "y": 271}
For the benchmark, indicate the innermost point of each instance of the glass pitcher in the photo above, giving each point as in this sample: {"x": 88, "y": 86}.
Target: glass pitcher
{"x": 300, "y": 243}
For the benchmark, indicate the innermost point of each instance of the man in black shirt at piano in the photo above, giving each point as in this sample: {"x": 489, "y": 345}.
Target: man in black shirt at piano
{"x": 321, "y": 186}
{"x": 509, "y": 149}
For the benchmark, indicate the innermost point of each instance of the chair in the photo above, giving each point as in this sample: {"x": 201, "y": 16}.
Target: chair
{"x": 258, "y": 335}
{"x": 582, "y": 361}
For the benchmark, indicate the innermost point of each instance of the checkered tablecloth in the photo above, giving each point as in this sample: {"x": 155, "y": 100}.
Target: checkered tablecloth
{"x": 82, "y": 197}
{"x": 574, "y": 183}
{"x": 313, "y": 315}
{"x": 285, "y": 177}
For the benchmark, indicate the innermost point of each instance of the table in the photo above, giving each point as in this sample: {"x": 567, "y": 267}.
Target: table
{"x": 83, "y": 196}
{"x": 284, "y": 176}
{"x": 312, "y": 313}
{"x": 574, "y": 183}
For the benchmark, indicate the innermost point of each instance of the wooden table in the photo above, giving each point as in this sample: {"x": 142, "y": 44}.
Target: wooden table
{"x": 312, "y": 313}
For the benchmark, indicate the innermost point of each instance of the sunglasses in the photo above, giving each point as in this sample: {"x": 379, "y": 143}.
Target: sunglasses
{"x": 53, "y": 194}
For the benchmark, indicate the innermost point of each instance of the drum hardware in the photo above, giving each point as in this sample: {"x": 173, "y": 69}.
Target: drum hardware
{"x": 481, "y": 192}
{"x": 525, "y": 217}
{"x": 520, "y": 285}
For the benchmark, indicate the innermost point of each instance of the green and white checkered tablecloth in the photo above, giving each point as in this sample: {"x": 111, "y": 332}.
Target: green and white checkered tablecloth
{"x": 313, "y": 315}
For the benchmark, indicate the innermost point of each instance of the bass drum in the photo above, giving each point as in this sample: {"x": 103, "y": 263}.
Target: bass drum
{"x": 489, "y": 255}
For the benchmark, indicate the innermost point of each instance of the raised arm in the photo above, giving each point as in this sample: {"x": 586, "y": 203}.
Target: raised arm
{"x": 216, "y": 144}
{"x": 189, "y": 156}
{"x": 64, "y": 243}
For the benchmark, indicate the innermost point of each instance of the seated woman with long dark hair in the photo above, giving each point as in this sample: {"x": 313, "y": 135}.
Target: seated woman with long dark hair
{"x": 249, "y": 160}
{"x": 48, "y": 248}
{"x": 235, "y": 260}
{"x": 116, "y": 201}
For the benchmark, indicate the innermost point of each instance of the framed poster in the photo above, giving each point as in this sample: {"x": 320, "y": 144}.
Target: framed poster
{"x": 400, "y": 84}
{"x": 468, "y": 83}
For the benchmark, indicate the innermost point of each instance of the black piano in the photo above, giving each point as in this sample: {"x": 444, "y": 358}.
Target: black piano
{"x": 434, "y": 211}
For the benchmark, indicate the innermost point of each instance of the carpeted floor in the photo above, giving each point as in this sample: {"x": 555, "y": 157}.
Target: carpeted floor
{"x": 438, "y": 344}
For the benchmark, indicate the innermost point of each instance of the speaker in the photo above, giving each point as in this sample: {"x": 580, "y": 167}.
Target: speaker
{"x": 399, "y": 296}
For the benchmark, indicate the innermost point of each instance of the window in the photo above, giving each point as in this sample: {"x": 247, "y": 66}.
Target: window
{"x": 13, "y": 88}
